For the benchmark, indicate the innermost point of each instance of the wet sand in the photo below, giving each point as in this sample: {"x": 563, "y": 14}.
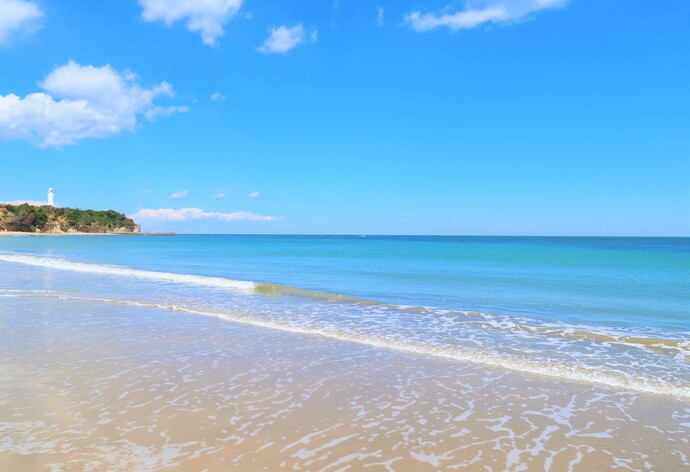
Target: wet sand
{"x": 107, "y": 387}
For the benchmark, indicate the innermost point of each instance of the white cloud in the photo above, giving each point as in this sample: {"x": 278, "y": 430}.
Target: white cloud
{"x": 254, "y": 194}
{"x": 156, "y": 112}
{"x": 146, "y": 191}
{"x": 219, "y": 194}
{"x": 179, "y": 195}
{"x": 282, "y": 39}
{"x": 478, "y": 12}
{"x": 187, "y": 214}
{"x": 17, "y": 15}
{"x": 80, "y": 102}
{"x": 379, "y": 16}
{"x": 218, "y": 97}
{"x": 206, "y": 17}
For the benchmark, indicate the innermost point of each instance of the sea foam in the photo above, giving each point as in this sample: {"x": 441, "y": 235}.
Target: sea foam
{"x": 482, "y": 352}
{"x": 119, "y": 271}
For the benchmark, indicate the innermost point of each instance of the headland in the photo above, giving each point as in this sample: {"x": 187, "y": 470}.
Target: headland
{"x": 27, "y": 219}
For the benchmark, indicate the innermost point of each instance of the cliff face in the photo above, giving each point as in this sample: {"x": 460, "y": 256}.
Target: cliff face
{"x": 46, "y": 219}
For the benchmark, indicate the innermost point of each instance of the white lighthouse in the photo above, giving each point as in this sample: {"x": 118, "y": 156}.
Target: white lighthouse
{"x": 50, "y": 197}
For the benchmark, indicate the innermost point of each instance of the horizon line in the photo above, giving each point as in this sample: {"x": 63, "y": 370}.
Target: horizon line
{"x": 360, "y": 235}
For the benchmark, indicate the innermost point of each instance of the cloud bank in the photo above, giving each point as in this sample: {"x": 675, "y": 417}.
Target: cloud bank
{"x": 206, "y": 17}
{"x": 478, "y": 12}
{"x": 188, "y": 214}
{"x": 81, "y": 102}
{"x": 17, "y": 15}
{"x": 282, "y": 39}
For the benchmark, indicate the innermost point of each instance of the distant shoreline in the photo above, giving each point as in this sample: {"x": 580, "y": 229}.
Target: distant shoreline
{"x": 21, "y": 233}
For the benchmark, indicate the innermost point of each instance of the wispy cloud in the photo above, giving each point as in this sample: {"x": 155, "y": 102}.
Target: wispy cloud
{"x": 218, "y": 97}
{"x": 282, "y": 39}
{"x": 156, "y": 112}
{"x": 16, "y": 16}
{"x": 146, "y": 191}
{"x": 81, "y": 102}
{"x": 335, "y": 10}
{"x": 179, "y": 195}
{"x": 220, "y": 194}
{"x": 187, "y": 214}
{"x": 478, "y": 12}
{"x": 207, "y": 17}
{"x": 254, "y": 194}
{"x": 379, "y": 16}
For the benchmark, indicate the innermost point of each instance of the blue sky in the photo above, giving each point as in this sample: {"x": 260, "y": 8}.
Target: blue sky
{"x": 545, "y": 117}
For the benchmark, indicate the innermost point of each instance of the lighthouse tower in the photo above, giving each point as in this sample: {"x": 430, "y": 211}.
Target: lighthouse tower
{"x": 50, "y": 197}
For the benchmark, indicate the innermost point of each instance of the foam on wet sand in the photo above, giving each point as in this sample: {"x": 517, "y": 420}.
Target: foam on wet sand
{"x": 103, "y": 386}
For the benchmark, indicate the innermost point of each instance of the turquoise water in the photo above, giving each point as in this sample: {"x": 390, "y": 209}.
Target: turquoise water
{"x": 607, "y": 310}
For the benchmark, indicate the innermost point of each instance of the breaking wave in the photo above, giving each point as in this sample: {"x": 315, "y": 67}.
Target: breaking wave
{"x": 514, "y": 343}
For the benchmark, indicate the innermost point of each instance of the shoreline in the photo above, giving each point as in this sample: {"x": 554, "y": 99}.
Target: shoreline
{"x": 251, "y": 398}
{"x": 21, "y": 233}
{"x": 110, "y": 370}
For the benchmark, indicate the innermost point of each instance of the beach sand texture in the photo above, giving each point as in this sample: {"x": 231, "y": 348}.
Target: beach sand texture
{"x": 88, "y": 386}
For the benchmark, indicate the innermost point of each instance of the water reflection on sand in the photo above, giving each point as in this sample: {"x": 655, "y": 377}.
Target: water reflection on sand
{"x": 106, "y": 387}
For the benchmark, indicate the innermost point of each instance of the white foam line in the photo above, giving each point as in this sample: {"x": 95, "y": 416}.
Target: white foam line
{"x": 61, "y": 264}
{"x": 552, "y": 369}
{"x": 488, "y": 320}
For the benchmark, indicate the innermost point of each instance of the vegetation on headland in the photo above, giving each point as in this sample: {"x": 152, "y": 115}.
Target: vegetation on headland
{"x": 47, "y": 219}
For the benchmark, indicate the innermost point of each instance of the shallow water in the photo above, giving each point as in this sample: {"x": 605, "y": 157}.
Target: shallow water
{"x": 145, "y": 353}
{"x": 619, "y": 282}
{"x": 611, "y": 311}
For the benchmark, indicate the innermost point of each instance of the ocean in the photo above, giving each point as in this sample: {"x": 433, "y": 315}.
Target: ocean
{"x": 613, "y": 312}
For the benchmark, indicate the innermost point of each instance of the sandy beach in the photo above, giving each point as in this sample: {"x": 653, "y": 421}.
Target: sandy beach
{"x": 408, "y": 236}
{"x": 106, "y": 366}
{"x": 107, "y": 387}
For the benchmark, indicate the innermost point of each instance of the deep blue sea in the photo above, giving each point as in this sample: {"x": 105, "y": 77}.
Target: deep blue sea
{"x": 613, "y": 311}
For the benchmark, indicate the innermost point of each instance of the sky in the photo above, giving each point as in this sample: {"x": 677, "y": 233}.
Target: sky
{"x": 477, "y": 117}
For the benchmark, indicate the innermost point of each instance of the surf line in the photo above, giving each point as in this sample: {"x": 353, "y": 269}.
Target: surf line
{"x": 551, "y": 369}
